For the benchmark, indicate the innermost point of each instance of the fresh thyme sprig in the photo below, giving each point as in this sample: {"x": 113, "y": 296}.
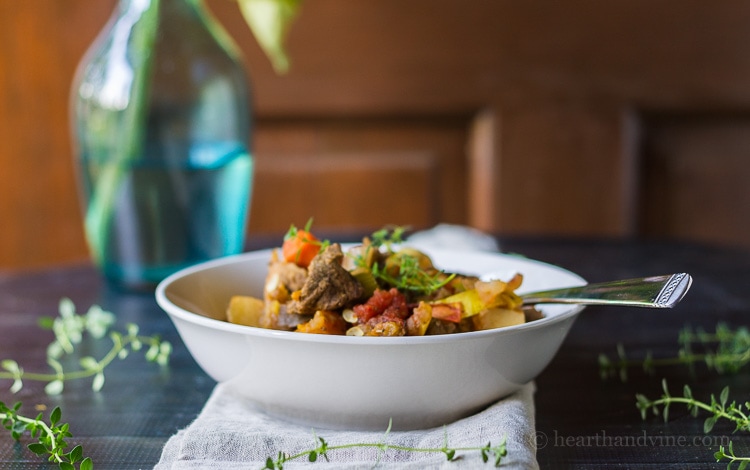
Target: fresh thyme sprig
{"x": 409, "y": 275}
{"x": 726, "y": 350}
{"x": 50, "y": 438}
{"x": 728, "y": 453}
{"x": 69, "y": 329}
{"x": 718, "y": 409}
{"x": 496, "y": 452}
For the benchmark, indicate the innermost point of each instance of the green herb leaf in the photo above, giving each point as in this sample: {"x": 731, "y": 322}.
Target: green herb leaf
{"x": 98, "y": 382}
{"x": 37, "y": 448}
{"x": 76, "y": 454}
{"x": 54, "y": 388}
{"x": 709, "y": 423}
{"x": 10, "y": 365}
{"x": 269, "y": 21}
{"x": 55, "y": 416}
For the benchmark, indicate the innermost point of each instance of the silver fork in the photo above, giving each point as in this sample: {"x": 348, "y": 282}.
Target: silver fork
{"x": 654, "y": 292}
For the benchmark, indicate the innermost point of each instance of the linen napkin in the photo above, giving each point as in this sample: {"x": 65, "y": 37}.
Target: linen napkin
{"x": 231, "y": 434}
{"x": 454, "y": 237}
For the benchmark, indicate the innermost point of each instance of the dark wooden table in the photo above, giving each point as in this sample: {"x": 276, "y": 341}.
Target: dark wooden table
{"x": 582, "y": 420}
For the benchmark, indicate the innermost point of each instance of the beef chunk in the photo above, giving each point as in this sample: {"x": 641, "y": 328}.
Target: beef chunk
{"x": 283, "y": 278}
{"x": 328, "y": 286}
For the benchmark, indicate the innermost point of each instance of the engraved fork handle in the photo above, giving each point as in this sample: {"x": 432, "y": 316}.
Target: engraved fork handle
{"x": 655, "y": 292}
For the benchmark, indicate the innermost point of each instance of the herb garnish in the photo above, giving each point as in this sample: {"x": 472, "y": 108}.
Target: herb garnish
{"x": 51, "y": 438}
{"x": 717, "y": 409}
{"x": 411, "y": 277}
{"x": 496, "y": 452}
{"x": 724, "y": 351}
{"x": 69, "y": 329}
{"x": 409, "y": 274}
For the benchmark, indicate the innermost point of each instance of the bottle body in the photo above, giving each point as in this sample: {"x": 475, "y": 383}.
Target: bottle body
{"x": 161, "y": 116}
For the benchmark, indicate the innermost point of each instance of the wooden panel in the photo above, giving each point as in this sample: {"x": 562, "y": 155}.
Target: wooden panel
{"x": 40, "y": 45}
{"x": 555, "y": 168}
{"x": 385, "y": 56}
{"x": 367, "y": 191}
{"x": 547, "y": 96}
{"x": 360, "y": 173}
{"x": 696, "y": 172}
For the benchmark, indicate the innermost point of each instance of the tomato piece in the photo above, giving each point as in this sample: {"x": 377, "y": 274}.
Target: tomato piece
{"x": 300, "y": 247}
{"x": 388, "y": 304}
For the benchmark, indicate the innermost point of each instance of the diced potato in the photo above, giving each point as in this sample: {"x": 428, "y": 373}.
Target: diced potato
{"x": 245, "y": 310}
{"x": 498, "y": 318}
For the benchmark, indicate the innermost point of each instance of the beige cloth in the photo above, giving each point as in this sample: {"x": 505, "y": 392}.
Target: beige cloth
{"x": 230, "y": 434}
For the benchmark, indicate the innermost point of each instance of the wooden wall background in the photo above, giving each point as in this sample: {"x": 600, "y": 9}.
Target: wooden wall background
{"x": 580, "y": 117}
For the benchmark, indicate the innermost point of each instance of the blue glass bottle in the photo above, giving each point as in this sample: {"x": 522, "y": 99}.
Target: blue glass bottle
{"x": 161, "y": 122}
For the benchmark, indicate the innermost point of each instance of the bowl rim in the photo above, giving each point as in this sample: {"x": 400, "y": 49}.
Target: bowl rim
{"x": 177, "y": 312}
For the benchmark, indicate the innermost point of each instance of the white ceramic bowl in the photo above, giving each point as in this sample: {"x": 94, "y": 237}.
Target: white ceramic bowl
{"x": 364, "y": 382}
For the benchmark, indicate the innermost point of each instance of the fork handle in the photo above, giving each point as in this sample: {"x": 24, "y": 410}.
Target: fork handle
{"x": 654, "y": 291}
